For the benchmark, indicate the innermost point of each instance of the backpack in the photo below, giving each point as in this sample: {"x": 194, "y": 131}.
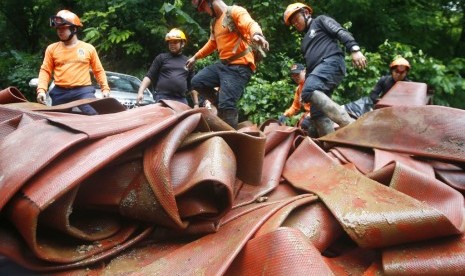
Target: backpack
{"x": 228, "y": 22}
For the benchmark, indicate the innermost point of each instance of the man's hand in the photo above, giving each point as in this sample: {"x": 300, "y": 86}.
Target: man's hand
{"x": 359, "y": 60}
{"x": 41, "y": 97}
{"x": 140, "y": 97}
{"x": 190, "y": 63}
{"x": 260, "y": 40}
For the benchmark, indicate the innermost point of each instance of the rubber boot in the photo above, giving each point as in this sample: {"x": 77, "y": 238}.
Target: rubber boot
{"x": 335, "y": 112}
{"x": 229, "y": 116}
{"x": 323, "y": 126}
{"x": 312, "y": 131}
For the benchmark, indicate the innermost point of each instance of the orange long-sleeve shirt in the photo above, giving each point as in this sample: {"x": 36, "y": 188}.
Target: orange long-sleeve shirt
{"x": 296, "y": 104}
{"x": 70, "y": 66}
{"x": 224, "y": 41}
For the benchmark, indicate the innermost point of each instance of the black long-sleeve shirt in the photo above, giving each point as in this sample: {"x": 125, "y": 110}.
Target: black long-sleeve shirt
{"x": 169, "y": 75}
{"x": 382, "y": 86}
{"x": 321, "y": 38}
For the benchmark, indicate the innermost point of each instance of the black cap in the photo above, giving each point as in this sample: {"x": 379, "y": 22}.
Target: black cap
{"x": 296, "y": 68}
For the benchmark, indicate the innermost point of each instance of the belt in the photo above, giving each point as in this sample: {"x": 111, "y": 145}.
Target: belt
{"x": 236, "y": 56}
{"x": 72, "y": 87}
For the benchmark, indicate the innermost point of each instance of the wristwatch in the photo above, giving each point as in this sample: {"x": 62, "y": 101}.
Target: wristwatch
{"x": 354, "y": 49}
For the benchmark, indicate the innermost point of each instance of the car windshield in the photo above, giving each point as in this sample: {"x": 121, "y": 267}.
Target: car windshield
{"x": 120, "y": 83}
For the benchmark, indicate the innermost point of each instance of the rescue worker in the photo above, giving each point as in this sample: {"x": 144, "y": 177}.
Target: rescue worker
{"x": 168, "y": 72}
{"x": 69, "y": 61}
{"x": 399, "y": 69}
{"x": 305, "y": 122}
{"x": 324, "y": 63}
{"x": 232, "y": 31}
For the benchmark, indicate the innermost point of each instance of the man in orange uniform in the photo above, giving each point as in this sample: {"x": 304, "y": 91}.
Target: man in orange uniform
{"x": 305, "y": 122}
{"x": 232, "y": 32}
{"x": 69, "y": 60}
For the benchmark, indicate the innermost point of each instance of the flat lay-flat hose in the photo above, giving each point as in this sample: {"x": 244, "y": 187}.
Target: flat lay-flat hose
{"x": 168, "y": 190}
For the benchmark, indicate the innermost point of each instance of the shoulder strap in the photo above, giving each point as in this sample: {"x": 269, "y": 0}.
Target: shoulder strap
{"x": 228, "y": 22}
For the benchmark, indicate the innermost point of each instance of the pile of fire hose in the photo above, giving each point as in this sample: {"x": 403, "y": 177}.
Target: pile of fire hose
{"x": 167, "y": 190}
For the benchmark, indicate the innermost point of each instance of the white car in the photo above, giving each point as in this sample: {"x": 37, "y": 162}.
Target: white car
{"x": 122, "y": 87}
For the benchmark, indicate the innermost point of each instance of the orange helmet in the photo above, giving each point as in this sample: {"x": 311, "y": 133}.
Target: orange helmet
{"x": 292, "y": 9}
{"x": 399, "y": 61}
{"x": 65, "y": 17}
{"x": 175, "y": 34}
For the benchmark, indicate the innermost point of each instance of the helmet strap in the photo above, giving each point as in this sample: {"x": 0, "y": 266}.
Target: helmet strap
{"x": 307, "y": 19}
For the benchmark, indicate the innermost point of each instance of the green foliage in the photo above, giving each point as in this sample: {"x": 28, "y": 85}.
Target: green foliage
{"x": 201, "y": 63}
{"x": 18, "y": 69}
{"x": 358, "y": 83}
{"x": 264, "y": 99}
{"x": 284, "y": 42}
{"x": 132, "y": 39}
{"x": 433, "y": 26}
{"x": 444, "y": 79}
{"x": 106, "y": 35}
{"x": 179, "y": 18}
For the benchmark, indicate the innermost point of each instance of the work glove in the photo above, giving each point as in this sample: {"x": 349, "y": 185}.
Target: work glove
{"x": 41, "y": 97}
{"x": 282, "y": 119}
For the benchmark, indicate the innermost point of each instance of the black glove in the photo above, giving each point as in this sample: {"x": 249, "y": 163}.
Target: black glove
{"x": 282, "y": 118}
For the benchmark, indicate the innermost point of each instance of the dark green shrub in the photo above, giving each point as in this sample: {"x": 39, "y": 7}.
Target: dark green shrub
{"x": 18, "y": 69}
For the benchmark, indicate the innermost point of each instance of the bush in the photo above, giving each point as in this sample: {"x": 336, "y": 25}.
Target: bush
{"x": 263, "y": 100}
{"x": 17, "y": 70}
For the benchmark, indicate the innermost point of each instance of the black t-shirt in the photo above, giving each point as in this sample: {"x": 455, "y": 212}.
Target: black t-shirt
{"x": 321, "y": 41}
{"x": 169, "y": 75}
